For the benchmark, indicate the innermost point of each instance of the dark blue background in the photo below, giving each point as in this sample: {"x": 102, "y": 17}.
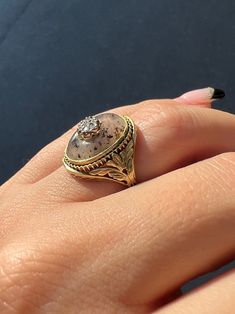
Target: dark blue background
{"x": 63, "y": 59}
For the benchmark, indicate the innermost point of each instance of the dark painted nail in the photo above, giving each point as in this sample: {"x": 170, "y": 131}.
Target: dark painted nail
{"x": 218, "y": 94}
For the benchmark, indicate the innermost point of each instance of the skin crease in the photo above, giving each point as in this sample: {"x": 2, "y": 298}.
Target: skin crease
{"x": 75, "y": 246}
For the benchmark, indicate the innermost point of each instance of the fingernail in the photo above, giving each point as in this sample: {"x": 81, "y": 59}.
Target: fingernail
{"x": 218, "y": 94}
{"x": 201, "y": 96}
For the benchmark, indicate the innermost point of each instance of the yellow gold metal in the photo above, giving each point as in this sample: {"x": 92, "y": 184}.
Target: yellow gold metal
{"x": 115, "y": 163}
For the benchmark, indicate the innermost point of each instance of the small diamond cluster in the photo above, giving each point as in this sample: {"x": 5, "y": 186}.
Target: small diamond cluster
{"x": 88, "y": 128}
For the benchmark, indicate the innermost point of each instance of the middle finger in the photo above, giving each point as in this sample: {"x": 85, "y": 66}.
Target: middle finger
{"x": 173, "y": 228}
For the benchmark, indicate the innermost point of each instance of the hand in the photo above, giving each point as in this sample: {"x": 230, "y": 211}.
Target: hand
{"x": 75, "y": 246}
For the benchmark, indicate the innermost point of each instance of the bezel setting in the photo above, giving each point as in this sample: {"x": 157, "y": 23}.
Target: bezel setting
{"x": 115, "y": 163}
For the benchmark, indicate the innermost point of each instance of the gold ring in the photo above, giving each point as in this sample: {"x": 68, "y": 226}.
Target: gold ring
{"x": 103, "y": 148}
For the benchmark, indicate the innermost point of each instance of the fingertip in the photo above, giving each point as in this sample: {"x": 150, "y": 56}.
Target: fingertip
{"x": 201, "y": 97}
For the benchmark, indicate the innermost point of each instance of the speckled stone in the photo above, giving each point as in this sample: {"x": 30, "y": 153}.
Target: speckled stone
{"x": 112, "y": 128}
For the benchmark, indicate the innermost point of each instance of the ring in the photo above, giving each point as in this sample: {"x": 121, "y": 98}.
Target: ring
{"x": 103, "y": 148}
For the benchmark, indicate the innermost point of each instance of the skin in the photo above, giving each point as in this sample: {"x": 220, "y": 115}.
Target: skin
{"x": 69, "y": 245}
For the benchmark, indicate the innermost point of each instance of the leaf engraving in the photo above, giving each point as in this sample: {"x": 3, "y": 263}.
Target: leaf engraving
{"x": 100, "y": 171}
{"x": 117, "y": 175}
{"x": 117, "y": 159}
{"x": 120, "y": 167}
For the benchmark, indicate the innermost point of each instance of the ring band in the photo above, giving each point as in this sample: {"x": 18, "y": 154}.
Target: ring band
{"x": 103, "y": 148}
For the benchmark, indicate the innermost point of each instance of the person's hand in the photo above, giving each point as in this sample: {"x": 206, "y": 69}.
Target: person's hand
{"x": 77, "y": 246}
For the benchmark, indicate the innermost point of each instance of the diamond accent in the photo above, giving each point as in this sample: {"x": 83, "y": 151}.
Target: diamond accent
{"x": 88, "y": 128}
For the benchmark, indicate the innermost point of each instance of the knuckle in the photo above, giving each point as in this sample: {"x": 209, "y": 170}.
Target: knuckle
{"x": 155, "y": 115}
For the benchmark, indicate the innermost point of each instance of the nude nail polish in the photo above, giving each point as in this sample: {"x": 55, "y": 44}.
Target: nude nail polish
{"x": 201, "y": 96}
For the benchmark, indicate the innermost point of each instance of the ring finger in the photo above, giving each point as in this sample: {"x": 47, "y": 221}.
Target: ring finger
{"x": 182, "y": 134}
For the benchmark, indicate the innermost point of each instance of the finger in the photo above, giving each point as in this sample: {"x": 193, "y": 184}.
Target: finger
{"x": 49, "y": 158}
{"x": 174, "y": 228}
{"x": 201, "y": 96}
{"x": 215, "y": 297}
{"x": 168, "y": 137}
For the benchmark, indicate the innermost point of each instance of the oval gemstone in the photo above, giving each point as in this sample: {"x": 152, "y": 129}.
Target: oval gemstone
{"x": 112, "y": 127}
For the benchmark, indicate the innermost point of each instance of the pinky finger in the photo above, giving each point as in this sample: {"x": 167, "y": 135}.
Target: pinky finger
{"x": 216, "y": 297}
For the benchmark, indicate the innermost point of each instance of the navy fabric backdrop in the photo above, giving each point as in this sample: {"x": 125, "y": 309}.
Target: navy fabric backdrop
{"x": 61, "y": 60}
